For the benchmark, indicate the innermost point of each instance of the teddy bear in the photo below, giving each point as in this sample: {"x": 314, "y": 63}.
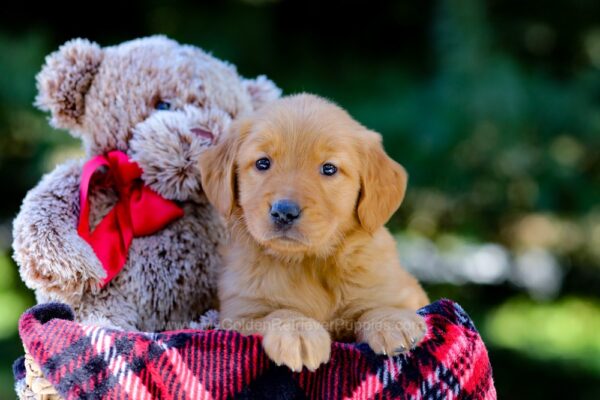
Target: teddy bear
{"x": 126, "y": 236}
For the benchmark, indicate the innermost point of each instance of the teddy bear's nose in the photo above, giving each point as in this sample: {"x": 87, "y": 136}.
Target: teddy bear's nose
{"x": 203, "y": 133}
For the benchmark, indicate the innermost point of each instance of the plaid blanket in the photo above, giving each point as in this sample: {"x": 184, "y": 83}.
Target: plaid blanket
{"x": 88, "y": 362}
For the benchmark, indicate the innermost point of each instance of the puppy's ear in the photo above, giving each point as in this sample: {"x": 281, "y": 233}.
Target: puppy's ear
{"x": 218, "y": 169}
{"x": 383, "y": 184}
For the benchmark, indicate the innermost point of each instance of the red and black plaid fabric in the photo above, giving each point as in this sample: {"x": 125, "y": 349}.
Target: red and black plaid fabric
{"x": 87, "y": 362}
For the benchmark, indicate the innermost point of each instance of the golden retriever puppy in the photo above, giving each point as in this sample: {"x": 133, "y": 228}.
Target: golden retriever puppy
{"x": 306, "y": 191}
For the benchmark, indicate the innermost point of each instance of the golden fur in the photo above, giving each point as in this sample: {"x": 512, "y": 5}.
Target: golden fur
{"x": 335, "y": 273}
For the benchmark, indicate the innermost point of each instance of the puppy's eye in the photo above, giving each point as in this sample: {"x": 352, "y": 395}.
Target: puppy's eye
{"x": 328, "y": 169}
{"x": 162, "y": 105}
{"x": 263, "y": 164}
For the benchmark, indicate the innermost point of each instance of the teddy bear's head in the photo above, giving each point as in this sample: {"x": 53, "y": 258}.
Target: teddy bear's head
{"x": 161, "y": 102}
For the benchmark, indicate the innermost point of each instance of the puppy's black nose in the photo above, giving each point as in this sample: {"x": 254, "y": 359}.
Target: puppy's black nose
{"x": 284, "y": 212}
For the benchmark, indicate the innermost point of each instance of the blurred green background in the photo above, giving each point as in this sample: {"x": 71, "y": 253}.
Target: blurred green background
{"x": 492, "y": 106}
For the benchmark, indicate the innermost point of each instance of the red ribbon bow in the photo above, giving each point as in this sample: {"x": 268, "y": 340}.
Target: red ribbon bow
{"x": 139, "y": 211}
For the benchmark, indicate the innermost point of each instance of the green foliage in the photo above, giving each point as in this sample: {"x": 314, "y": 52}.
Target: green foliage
{"x": 565, "y": 330}
{"x": 14, "y": 302}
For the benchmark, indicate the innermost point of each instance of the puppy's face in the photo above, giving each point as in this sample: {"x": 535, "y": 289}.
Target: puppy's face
{"x": 298, "y": 181}
{"x": 300, "y": 174}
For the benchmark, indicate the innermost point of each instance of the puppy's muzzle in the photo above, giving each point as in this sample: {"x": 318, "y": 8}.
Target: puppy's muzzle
{"x": 284, "y": 213}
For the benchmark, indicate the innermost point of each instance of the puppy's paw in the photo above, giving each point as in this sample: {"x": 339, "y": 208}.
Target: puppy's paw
{"x": 297, "y": 342}
{"x": 391, "y": 331}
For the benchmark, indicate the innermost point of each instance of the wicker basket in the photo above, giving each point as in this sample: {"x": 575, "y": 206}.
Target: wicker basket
{"x": 36, "y": 386}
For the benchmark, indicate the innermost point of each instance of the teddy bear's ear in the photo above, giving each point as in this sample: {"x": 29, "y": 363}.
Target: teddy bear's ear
{"x": 65, "y": 79}
{"x": 261, "y": 90}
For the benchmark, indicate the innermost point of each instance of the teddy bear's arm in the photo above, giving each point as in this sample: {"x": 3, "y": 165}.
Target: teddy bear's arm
{"x": 53, "y": 260}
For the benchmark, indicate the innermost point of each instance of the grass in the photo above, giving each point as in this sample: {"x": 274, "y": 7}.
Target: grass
{"x": 14, "y": 300}
{"x": 565, "y": 331}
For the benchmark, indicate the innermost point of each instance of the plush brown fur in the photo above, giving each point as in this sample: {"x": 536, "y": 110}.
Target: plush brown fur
{"x": 336, "y": 273}
{"x": 107, "y": 97}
